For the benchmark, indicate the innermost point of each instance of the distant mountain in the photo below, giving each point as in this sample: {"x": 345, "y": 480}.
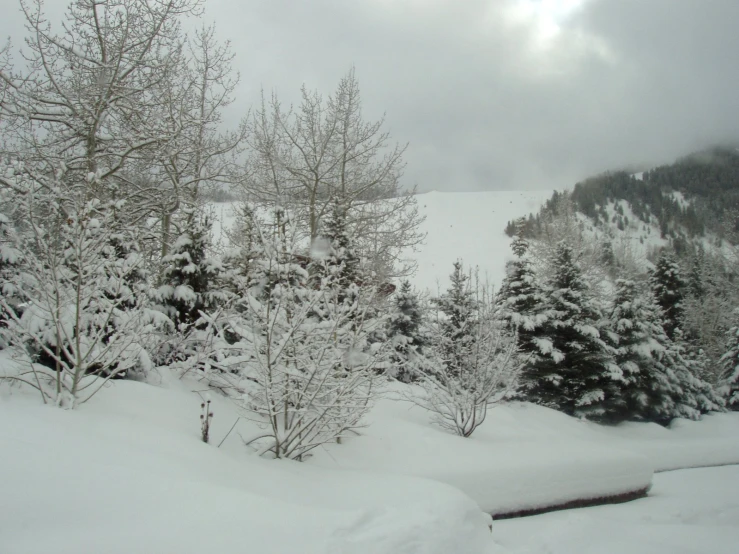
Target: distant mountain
{"x": 696, "y": 197}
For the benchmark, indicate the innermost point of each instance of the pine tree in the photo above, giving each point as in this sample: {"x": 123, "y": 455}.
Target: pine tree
{"x": 730, "y": 364}
{"x": 649, "y": 388}
{"x": 520, "y": 299}
{"x": 340, "y": 265}
{"x": 335, "y": 267}
{"x": 245, "y": 248}
{"x": 457, "y": 327}
{"x": 310, "y": 367}
{"x": 574, "y": 372}
{"x": 669, "y": 289}
{"x": 406, "y": 333}
{"x": 188, "y": 274}
{"x": 472, "y": 360}
{"x": 10, "y": 258}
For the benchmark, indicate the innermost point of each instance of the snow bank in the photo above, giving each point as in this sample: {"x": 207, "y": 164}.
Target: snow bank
{"x": 526, "y": 457}
{"x": 523, "y": 458}
{"x": 127, "y": 473}
{"x": 712, "y": 441}
{"x": 693, "y": 511}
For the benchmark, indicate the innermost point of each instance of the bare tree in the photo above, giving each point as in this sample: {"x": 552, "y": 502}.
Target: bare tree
{"x": 201, "y": 156}
{"x": 304, "y": 158}
{"x": 86, "y": 98}
{"x": 460, "y": 381}
{"x": 309, "y": 377}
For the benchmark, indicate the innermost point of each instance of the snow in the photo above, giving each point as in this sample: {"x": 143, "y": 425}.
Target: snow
{"x": 527, "y": 457}
{"x": 467, "y": 225}
{"x": 688, "y": 512}
{"x": 523, "y": 457}
{"x": 132, "y": 459}
{"x": 128, "y": 473}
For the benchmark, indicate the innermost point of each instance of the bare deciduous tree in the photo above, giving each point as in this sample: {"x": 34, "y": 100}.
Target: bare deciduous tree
{"x": 304, "y": 158}
{"x": 481, "y": 368}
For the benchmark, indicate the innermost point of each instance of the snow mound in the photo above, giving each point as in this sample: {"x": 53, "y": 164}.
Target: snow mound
{"x": 523, "y": 457}
{"x": 530, "y": 458}
{"x": 691, "y": 512}
{"x": 128, "y": 473}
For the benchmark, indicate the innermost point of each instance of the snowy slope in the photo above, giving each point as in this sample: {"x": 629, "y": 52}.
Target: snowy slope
{"x": 466, "y": 225}
{"x": 469, "y": 225}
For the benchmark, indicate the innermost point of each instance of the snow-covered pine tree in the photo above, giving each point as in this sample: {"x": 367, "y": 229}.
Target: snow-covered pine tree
{"x": 669, "y": 288}
{"x": 575, "y": 372}
{"x": 187, "y": 275}
{"x": 406, "y": 334}
{"x": 80, "y": 316}
{"x": 649, "y": 389}
{"x": 192, "y": 295}
{"x": 245, "y": 247}
{"x": 457, "y": 326}
{"x": 729, "y": 387}
{"x": 335, "y": 263}
{"x": 520, "y": 299}
{"x": 10, "y": 258}
{"x": 693, "y": 396}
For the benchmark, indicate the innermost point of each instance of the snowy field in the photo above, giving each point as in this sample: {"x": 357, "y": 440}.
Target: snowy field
{"x": 527, "y": 457}
{"x": 127, "y": 473}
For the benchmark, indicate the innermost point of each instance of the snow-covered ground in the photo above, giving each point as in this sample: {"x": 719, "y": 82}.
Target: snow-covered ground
{"x": 127, "y": 473}
{"x": 527, "y": 457}
{"x": 692, "y": 511}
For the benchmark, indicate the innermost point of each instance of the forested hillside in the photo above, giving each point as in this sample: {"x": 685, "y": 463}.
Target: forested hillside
{"x": 695, "y": 196}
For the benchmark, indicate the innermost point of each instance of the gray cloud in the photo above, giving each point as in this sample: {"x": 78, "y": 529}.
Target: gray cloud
{"x": 483, "y": 103}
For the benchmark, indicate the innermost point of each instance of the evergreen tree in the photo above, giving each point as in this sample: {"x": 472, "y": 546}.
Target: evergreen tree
{"x": 649, "y": 388}
{"x": 246, "y": 247}
{"x": 669, "y": 288}
{"x": 10, "y": 258}
{"x": 457, "y": 327}
{"x": 335, "y": 265}
{"x": 406, "y": 333}
{"x": 574, "y": 372}
{"x": 188, "y": 274}
{"x": 521, "y": 300}
{"x": 311, "y": 371}
{"x": 730, "y": 365}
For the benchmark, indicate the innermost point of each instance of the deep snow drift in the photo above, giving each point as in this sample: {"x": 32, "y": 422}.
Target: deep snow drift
{"x": 127, "y": 473}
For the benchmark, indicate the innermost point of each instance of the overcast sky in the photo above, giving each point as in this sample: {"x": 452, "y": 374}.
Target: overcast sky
{"x": 502, "y": 94}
